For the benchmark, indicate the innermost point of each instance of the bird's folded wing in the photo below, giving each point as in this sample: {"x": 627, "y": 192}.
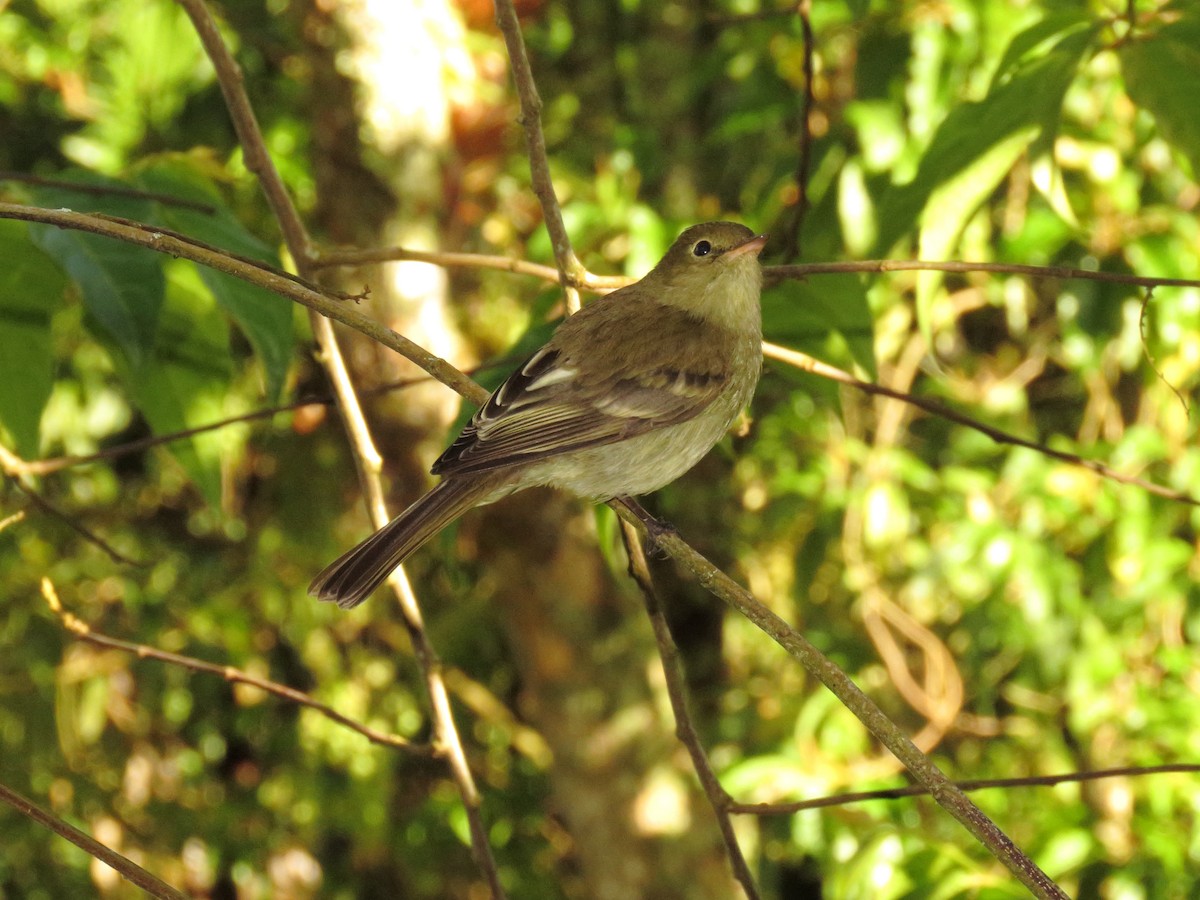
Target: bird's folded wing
{"x": 545, "y": 408}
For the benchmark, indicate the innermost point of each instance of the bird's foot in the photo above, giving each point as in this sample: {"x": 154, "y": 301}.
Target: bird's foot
{"x": 656, "y": 529}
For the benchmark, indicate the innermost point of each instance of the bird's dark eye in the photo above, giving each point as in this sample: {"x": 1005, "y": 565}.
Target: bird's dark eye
{"x": 702, "y": 248}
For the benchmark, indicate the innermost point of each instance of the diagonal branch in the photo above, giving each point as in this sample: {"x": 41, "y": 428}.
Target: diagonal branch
{"x": 838, "y": 682}
{"x": 569, "y": 267}
{"x": 83, "y": 631}
{"x": 804, "y": 156}
{"x": 685, "y": 729}
{"x": 329, "y": 305}
{"x": 366, "y": 456}
{"x": 977, "y": 784}
{"x": 129, "y": 870}
{"x": 806, "y": 363}
{"x": 245, "y": 123}
{"x": 10, "y": 466}
{"x": 107, "y": 190}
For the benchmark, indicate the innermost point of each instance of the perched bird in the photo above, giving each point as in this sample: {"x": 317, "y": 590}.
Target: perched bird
{"x": 628, "y": 394}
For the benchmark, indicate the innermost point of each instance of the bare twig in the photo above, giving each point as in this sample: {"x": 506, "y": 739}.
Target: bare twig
{"x": 101, "y": 190}
{"x": 9, "y": 521}
{"x": 158, "y": 232}
{"x": 978, "y": 784}
{"x": 804, "y": 155}
{"x": 127, "y": 868}
{"x": 10, "y": 465}
{"x": 724, "y": 20}
{"x": 245, "y": 123}
{"x": 367, "y": 458}
{"x": 59, "y": 463}
{"x": 806, "y": 363}
{"x": 580, "y": 279}
{"x": 569, "y": 267}
{"x": 838, "y": 682}
{"x": 673, "y": 674}
{"x": 771, "y": 274}
{"x": 82, "y": 630}
{"x": 1150, "y": 355}
{"x": 774, "y": 274}
{"x": 79, "y": 528}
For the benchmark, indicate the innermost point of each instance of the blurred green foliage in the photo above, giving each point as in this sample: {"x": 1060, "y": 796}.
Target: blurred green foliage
{"x": 1020, "y": 615}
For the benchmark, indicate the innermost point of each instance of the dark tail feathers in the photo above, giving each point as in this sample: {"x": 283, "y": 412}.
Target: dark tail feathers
{"x": 351, "y": 578}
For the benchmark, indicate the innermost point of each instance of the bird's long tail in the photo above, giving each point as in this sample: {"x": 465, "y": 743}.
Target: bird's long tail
{"x": 351, "y": 578}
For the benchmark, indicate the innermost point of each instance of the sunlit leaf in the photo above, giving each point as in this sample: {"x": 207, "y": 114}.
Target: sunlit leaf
{"x": 1161, "y": 71}
{"x": 1028, "y": 103}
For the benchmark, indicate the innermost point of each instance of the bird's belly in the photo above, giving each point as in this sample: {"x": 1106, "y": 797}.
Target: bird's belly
{"x": 637, "y": 465}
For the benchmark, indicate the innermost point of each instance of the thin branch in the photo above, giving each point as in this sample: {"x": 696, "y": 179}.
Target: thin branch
{"x": 366, "y": 456}
{"x": 1150, "y": 354}
{"x": 78, "y": 527}
{"x": 977, "y": 784}
{"x": 127, "y": 868}
{"x": 326, "y": 303}
{"x": 15, "y": 518}
{"x": 806, "y": 363}
{"x": 727, "y": 19}
{"x": 254, "y": 149}
{"x": 569, "y": 267}
{"x": 775, "y": 274}
{"x": 580, "y": 279}
{"x": 685, "y": 729}
{"x": 771, "y": 274}
{"x": 101, "y": 190}
{"x": 158, "y": 231}
{"x": 59, "y": 463}
{"x": 804, "y": 155}
{"x": 838, "y": 682}
{"x": 82, "y": 630}
{"x": 9, "y": 464}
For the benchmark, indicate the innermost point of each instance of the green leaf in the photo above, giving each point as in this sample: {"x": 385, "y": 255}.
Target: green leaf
{"x": 1026, "y": 104}
{"x": 1161, "y": 72}
{"x": 184, "y": 382}
{"x": 264, "y": 317}
{"x": 1042, "y": 35}
{"x": 121, "y": 285}
{"x": 806, "y": 315}
{"x": 29, "y": 285}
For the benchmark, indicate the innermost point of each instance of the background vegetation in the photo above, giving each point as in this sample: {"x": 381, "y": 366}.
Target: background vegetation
{"x": 1018, "y": 614}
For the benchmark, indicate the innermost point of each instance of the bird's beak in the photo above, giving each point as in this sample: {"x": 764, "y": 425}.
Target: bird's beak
{"x": 753, "y": 247}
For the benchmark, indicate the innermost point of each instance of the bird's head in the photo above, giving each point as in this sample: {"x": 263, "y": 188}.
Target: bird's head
{"x": 712, "y": 271}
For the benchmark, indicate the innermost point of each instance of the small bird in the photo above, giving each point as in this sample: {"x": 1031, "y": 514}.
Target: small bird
{"x": 628, "y": 394}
